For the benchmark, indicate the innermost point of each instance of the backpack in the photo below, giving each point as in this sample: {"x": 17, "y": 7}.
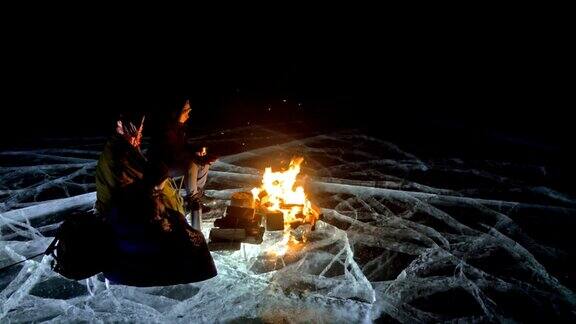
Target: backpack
{"x": 81, "y": 247}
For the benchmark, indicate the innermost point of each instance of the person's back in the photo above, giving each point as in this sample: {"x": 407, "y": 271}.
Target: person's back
{"x": 120, "y": 164}
{"x": 154, "y": 243}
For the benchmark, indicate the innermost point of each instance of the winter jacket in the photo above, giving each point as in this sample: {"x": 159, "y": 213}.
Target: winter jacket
{"x": 119, "y": 165}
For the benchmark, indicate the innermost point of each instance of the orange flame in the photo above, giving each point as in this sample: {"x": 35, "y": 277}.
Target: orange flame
{"x": 278, "y": 193}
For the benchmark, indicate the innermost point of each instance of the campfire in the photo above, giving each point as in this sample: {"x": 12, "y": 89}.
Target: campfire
{"x": 284, "y": 204}
{"x": 280, "y": 203}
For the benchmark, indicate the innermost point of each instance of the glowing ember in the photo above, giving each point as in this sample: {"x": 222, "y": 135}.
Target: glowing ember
{"x": 280, "y": 193}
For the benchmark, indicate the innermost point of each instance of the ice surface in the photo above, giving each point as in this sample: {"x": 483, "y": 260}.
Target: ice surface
{"x": 404, "y": 238}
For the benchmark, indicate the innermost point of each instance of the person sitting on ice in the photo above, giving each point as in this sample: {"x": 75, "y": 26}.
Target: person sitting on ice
{"x": 149, "y": 242}
{"x": 170, "y": 146}
{"x": 84, "y": 242}
{"x": 120, "y": 164}
{"x": 154, "y": 245}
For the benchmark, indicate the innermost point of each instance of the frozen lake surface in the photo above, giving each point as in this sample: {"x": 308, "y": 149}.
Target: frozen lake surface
{"x": 404, "y": 238}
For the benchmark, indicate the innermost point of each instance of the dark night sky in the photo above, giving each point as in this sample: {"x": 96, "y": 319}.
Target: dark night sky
{"x": 511, "y": 80}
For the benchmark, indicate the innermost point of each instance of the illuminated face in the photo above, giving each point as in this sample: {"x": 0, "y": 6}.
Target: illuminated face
{"x": 185, "y": 114}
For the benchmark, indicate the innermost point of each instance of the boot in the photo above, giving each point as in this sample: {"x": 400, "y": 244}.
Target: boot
{"x": 193, "y": 212}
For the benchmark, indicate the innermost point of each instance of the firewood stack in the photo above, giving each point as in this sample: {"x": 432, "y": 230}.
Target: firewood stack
{"x": 240, "y": 224}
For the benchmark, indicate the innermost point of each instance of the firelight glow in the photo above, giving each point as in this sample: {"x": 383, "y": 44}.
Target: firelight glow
{"x": 279, "y": 192}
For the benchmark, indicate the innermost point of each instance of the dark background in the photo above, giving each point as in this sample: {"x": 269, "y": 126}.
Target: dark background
{"x": 465, "y": 86}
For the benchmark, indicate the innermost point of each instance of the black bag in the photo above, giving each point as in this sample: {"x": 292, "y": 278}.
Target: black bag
{"x": 80, "y": 247}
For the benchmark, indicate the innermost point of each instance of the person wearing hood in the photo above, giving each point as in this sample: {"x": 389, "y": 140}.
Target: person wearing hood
{"x": 120, "y": 164}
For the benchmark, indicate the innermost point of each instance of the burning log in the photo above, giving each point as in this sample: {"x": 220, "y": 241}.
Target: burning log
{"x": 251, "y": 235}
{"x": 296, "y": 222}
{"x": 227, "y": 234}
{"x": 274, "y": 221}
{"x": 224, "y": 246}
{"x": 290, "y": 206}
{"x": 239, "y": 224}
{"x": 242, "y": 199}
{"x": 239, "y": 217}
